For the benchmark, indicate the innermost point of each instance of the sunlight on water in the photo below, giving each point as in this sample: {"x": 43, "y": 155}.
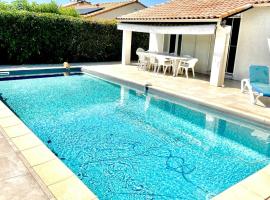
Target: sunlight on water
{"x": 125, "y": 145}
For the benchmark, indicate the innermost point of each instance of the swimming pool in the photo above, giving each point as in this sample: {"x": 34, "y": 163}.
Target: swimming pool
{"x": 124, "y": 144}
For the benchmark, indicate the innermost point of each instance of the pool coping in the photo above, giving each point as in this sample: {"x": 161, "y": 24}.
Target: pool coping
{"x": 256, "y": 186}
{"x": 62, "y": 182}
{"x": 49, "y": 171}
{"x": 169, "y": 94}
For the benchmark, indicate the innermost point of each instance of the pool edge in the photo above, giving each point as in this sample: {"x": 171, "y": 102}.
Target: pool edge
{"x": 48, "y": 170}
{"x": 170, "y": 94}
{"x": 242, "y": 189}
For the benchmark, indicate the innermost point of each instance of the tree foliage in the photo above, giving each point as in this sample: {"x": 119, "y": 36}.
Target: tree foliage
{"x": 24, "y": 5}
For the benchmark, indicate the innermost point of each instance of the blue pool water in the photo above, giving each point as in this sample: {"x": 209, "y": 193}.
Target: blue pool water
{"x": 125, "y": 145}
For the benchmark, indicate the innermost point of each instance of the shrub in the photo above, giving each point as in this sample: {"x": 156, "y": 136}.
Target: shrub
{"x": 48, "y": 38}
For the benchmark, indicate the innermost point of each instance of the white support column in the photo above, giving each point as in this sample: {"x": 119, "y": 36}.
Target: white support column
{"x": 220, "y": 56}
{"x": 156, "y": 42}
{"x": 126, "y": 47}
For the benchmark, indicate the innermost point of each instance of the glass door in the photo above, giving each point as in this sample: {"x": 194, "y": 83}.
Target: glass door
{"x": 234, "y": 22}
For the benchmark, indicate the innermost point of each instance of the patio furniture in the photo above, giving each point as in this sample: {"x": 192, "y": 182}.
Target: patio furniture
{"x": 165, "y": 63}
{"x": 258, "y": 82}
{"x": 139, "y": 50}
{"x": 186, "y": 65}
{"x": 143, "y": 62}
{"x": 142, "y": 59}
{"x": 175, "y": 63}
{"x": 153, "y": 63}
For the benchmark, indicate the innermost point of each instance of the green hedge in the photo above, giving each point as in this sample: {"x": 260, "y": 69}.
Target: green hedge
{"x": 51, "y": 7}
{"x": 27, "y": 37}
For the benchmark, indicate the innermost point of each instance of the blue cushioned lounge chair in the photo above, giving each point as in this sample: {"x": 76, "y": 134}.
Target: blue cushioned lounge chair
{"x": 258, "y": 82}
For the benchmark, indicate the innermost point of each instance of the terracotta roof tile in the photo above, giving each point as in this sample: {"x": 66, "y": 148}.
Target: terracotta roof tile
{"x": 192, "y": 9}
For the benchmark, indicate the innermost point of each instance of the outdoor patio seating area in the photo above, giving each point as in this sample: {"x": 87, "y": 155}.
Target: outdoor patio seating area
{"x": 167, "y": 62}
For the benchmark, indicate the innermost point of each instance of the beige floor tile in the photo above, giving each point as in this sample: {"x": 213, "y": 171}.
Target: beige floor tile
{"x": 238, "y": 192}
{"x": 266, "y": 170}
{"x": 71, "y": 189}
{"x": 258, "y": 183}
{"x": 26, "y": 141}
{"x": 17, "y": 130}
{"x": 11, "y": 166}
{"x": 5, "y": 147}
{"x": 53, "y": 171}
{"x": 2, "y": 105}
{"x": 38, "y": 155}
{"x": 9, "y": 121}
{"x": 5, "y": 113}
{"x": 21, "y": 188}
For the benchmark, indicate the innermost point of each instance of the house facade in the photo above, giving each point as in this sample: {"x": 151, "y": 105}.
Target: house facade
{"x": 227, "y": 36}
{"x": 105, "y": 11}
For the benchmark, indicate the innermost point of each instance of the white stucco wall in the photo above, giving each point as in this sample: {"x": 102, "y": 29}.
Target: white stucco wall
{"x": 118, "y": 12}
{"x": 252, "y": 45}
{"x": 201, "y": 47}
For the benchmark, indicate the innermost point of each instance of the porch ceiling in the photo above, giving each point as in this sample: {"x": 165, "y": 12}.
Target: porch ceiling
{"x": 207, "y": 29}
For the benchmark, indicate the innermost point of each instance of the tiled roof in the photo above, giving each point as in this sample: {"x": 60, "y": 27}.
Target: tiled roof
{"x": 191, "y": 9}
{"x": 76, "y": 4}
{"x": 106, "y": 7}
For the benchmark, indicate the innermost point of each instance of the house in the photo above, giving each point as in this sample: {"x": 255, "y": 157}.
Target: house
{"x": 225, "y": 35}
{"x": 104, "y": 11}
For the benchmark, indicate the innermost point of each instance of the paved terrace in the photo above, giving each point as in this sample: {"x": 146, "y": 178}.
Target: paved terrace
{"x": 229, "y": 98}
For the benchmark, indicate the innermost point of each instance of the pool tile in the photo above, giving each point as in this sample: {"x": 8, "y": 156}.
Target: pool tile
{"x": 9, "y": 121}
{"x": 21, "y": 188}
{"x": 38, "y": 155}
{"x": 53, "y": 171}
{"x": 17, "y": 130}
{"x": 11, "y": 166}
{"x": 26, "y": 141}
{"x": 71, "y": 189}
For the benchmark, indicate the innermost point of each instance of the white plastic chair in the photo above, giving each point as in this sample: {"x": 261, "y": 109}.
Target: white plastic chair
{"x": 142, "y": 61}
{"x": 139, "y": 50}
{"x": 186, "y": 65}
{"x": 165, "y": 63}
{"x": 175, "y": 63}
{"x": 153, "y": 63}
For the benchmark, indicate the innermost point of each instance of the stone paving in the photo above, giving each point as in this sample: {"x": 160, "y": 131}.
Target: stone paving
{"x": 16, "y": 181}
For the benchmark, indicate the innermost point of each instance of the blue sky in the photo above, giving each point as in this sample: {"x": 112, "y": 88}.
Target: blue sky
{"x": 146, "y": 2}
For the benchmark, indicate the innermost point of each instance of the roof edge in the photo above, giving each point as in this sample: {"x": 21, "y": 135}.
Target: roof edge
{"x": 104, "y": 11}
{"x": 168, "y": 20}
